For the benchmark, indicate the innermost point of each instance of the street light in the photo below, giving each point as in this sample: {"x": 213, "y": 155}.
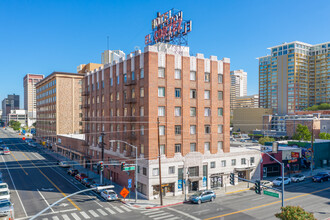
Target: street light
{"x": 60, "y": 200}
{"x": 135, "y": 147}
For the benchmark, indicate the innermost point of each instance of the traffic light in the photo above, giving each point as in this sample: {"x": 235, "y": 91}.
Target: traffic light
{"x": 122, "y": 166}
{"x": 101, "y": 166}
{"x": 257, "y": 188}
{"x": 232, "y": 179}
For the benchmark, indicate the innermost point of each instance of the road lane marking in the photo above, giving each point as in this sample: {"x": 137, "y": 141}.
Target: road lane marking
{"x": 64, "y": 195}
{"x": 75, "y": 216}
{"x": 242, "y": 190}
{"x": 150, "y": 210}
{"x": 175, "y": 218}
{"x": 85, "y": 215}
{"x": 109, "y": 210}
{"x": 157, "y": 215}
{"x": 65, "y": 217}
{"x": 268, "y": 204}
{"x": 170, "y": 215}
{"x": 45, "y": 219}
{"x": 152, "y": 213}
{"x": 125, "y": 208}
{"x": 26, "y": 173}
{"x": 102, "y": 212}
{"x": 93, "y": 213}
{"x": 118, "y": 209}
{"x": 19, "y": 198}
{"x": 55, "y": 218}
{"x": 44, "y": 200}
{"x": 183, "y": 213}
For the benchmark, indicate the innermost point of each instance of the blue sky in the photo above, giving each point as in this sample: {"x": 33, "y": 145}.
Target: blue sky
{"x": 39, "y": 36}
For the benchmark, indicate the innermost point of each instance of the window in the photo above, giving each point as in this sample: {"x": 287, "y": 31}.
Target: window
{"x": 192, "y": 111}
{"x": 192, "y": 147}
{"x": 141, "y": 111}
{"x": 171, "y": 170}
{"x": 220, "y": 95}
{"x": 161, "y": 130}
{"x": 207, "y": 77}
{"x": 133, "y": 75}
{"x": 220, "y": 145}
{"x": 220, "y": 111}
{"x": 155, "y": 172}
{"x": 233, "y": 162}
{"x": 117, "y": 96}
{"x": 177, "y": 129}
{"x": 142, "y": 148}
{"x": 144, "y": 171}
{"x": 207, "y": 129}
{"x": 219, "y": 78}
{"x": 192, "y": 129}
{"x": 193, "y": 93}
{"x": 206, "y": 94}
{"x": 243, "y": 161}
{"x": 102, "y": 98}
{"x": 161, "y": 72}
{"x": 133, "y": 93}
{"x": 125, "y": 112}
{"x": 142, "y": 129}
{"x": 142, "y": 92}
{"x": 177, "y": 74}
{"x": 219, "y": 129}
{"x": 162, "y": 149}
{"x": 161, "y": 91}
{"x": 118, "y": 113}
{"x": 141, "y": 73}
{"x": 212, "y": 165}
{"x": 251, "y": 160}
{"x": 207, "y": 146}
{"x": 207, "y": 112}
{"x": 177, "y": 111}
{"x": 223, "y": 163}
{"x": 178, "y": 148}
{"x": 177, "y": 92}
{"x": 193, "y": 75}
{"x": 161, "y": 111}
{"x": 111, "y": 97}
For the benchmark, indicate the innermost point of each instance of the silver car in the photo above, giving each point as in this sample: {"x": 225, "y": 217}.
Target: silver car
{"x": 6, "y": 210}
{"x": 298, "y": 178}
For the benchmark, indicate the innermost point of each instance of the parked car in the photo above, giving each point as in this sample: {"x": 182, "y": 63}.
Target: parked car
{"x": 297, "y": 178}
{"x": 243, "y": 140}
{"x": 6, "y": 151}
{"x": 264, "y": 183}
{"x": 255, "y": 141}
{"x": 320, "y": 177}
{"x": 109, "y": 195}
{"x": 6, "y": 210}
{"x": 202, "y": 196}
{"x": 96, "y": 185}
{"x": 72, "y": 172}
{"x": 64, "y": 164}
{"x": 88, "y": 181}
{"x": 4, "y": 187}
{"x": 4, "y": 195}
{"x": 80, "y": 176}
{"x": 278, "y": 181}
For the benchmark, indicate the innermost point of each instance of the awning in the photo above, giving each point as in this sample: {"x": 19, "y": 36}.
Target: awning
{"x": 244, "y": 168}
{"x": 194, "y": 178}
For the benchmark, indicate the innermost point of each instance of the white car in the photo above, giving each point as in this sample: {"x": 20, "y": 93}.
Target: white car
{"x": 4, "y": 195}
{"x": 6, "y": 210}
{"x": 65, "y": 164}
{"x": 298, "y": 178}
{"x": 4, "y": 187}
{"x": 109, "y": 195}
{"x": 278, "y": 181}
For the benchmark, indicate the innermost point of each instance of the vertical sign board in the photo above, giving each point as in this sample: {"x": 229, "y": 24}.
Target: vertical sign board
{"x": 129, "y": 183}
{"x": 204, "y": 181}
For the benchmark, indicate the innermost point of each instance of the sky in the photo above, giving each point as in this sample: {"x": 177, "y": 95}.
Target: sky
{"x": 38, "y": 36}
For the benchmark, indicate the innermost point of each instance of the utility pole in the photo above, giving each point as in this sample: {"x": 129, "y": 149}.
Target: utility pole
{"x": 160, "y": 167}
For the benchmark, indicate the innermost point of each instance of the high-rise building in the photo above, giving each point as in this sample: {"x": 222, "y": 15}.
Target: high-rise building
{"x": 8, "y": 104}
{"x": 59, "y": 103}
{"x": 238, "y": 87}
{"x": 250, "y": 101}
{"x": 29, "y": 83}
{"x": 189, "y": 95}
{"x": 294, "y": 77}
{"x": 108, "y": 56}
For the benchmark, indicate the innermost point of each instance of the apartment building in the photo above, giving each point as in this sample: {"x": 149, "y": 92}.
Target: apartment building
{"x": 238, "y": 88}
{"x": 294, "y": 77}
{"x": 85, "y": 68}
{"x": 108, "y": 56}
{"x": 250, "y": 101}
{"x": 189, "y": 95}
{"x": 29, "y": 83}
{"x": 59, "y": 109}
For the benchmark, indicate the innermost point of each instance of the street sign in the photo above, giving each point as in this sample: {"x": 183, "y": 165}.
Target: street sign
{"x": 124, "y": 192}
{"x": 277, "y": 195}
{"x": 129, "y": 168}
{"x": 129, "y": 183}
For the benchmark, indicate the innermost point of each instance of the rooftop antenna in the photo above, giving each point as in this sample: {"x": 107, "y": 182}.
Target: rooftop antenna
{"x": 107, "y": 42}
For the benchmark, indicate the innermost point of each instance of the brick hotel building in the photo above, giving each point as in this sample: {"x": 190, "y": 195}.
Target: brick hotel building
{"x": 191, "y": 97}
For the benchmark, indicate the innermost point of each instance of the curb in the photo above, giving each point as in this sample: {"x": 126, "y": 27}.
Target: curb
{"x": 164, "y": 206}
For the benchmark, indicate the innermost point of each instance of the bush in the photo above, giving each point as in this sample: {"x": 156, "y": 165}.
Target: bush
{"x": 294, "y": 213}
{"x": 323, "y": 106}
{"x": 263, "y": 140}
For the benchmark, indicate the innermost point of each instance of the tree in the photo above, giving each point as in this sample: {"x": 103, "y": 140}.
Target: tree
{"x": 294, "y": 212}
{"x": 323, "y": 106}
{"x": 34, "y": 124}
{"x": 325, "y": 136}
{"x": 302, "y": 133}
{"x": 16, "y": 125}
{"x": 263, "y": 140}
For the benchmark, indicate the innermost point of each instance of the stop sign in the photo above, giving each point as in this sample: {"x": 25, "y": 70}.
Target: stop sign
{"x": 23, "y": 138}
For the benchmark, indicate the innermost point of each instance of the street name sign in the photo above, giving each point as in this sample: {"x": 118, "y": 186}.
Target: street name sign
{"x": 268, "y": 193}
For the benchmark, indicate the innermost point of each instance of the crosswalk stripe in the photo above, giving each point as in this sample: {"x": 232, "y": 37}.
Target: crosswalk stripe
{"x": 150, "y": 210}
{"x": 151, "y": 213}
{"x": 125, "y": 208}
{"x": 93, "y": 213}
{"x": 118, "y": 209}
{"x": 158, "y": 218}
{"x": 75, "y": 216}
{"x": 85, "y": 215}
{"x": 102, "y": 212}
{"x": 55, "y": 218}
{"x": 109, "y": 210}
{"x": 160, "y": 214}
{"x": 174, "y": 218}
{"x": 45, "y": 219}
{"x": 66, "y": 217}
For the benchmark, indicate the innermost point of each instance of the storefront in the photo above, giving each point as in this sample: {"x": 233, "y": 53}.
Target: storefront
{"x": 193, "y": 183}
{"x": 216, "y": 180}
{"x": 167, "y": 189}
{"x": 244, "y": 172}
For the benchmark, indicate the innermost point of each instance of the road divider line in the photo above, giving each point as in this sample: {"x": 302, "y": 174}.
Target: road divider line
{"x": 19, "y": 198}
{"x": 45, "y": 200}
{"x": 64, "y": 195}
{"x": 183, "y": 213}
{"x": 241, "y": 190}
{"x": 26, "y": 173}
{"x": 268, "y": 204}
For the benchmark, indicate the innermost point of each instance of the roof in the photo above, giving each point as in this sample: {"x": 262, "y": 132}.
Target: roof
{"x": 74, "y": 136}
{"x": 56, "y": 73}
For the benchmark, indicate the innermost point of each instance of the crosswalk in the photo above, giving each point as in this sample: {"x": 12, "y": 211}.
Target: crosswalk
{"x": 158, "y": 214}
{"x": 89, "y": 214}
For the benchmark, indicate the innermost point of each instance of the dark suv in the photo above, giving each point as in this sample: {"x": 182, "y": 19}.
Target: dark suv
{"x": 73, "y": 172}
{"x": 320, "y": 177}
